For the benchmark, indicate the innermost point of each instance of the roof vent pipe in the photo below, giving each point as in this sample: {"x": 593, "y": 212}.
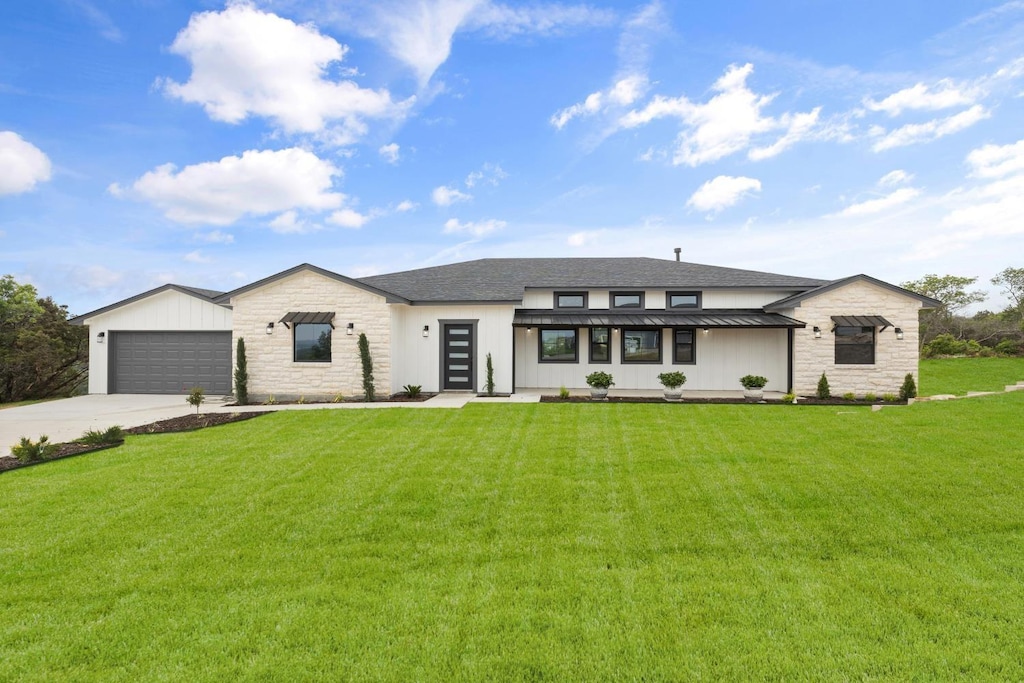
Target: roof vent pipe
{"x": 678, "y": 251}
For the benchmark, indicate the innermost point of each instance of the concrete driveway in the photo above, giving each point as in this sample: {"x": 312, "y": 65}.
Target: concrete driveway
{"x": 66, "y": 419}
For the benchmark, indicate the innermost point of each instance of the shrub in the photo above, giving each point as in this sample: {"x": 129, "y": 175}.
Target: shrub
{"x": 27, "y": 451}
{"x": 302, "y": 400}
{"x": 672, "y": 380}
{"x": 600, "y": 380}
{"x": 909, "y": 387}
{"x": 753, "y": 381}
{"x": 338, "y": 398}
{"x": 1008, "y": 347}
{"x": 944, "y": 345}
{"x": 196, "y": 397}
{"x": 270, "y": 401}
{"x": 94, "y": 437}
{"x": 367, "y": 362}
{"x": 870, "y": 397}
{"x": 789, "y": 398}
{"x": 823, "y": 389}
{"x": 849, "y": 396}
{"x": 241, "y": 374}
{"x": 490, "y": 376}
{"x": 412, "y": 390}
{"x": 890, "y": 398}
{"x": 563, "y": 393}
{"x": 973, "y": 348}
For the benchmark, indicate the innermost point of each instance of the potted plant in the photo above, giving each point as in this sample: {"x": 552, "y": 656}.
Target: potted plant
{"x": 753, "y": 386}
{"x": 599, "y": 383}
{"x": 673, "y": 383}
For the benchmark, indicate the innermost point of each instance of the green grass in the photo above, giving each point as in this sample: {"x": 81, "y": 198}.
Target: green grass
{"x": 16, "y": 404}
{"x": 960, "y": 375}
{"x": 528, "y": 542}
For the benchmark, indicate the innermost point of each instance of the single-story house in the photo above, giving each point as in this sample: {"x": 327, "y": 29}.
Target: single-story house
{"x": 546, "y": 322}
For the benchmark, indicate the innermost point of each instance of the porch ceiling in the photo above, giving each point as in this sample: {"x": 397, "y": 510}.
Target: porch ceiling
{"x": 651, "y": 318}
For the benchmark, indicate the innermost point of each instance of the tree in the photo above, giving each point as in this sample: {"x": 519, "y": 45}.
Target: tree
{"x": 41, "y": 354}
{"x": 1012, "y": 282}
{"x": 241, "y": 374}
{"x": 952, "y": 291}
{"x": 367, "y": 362}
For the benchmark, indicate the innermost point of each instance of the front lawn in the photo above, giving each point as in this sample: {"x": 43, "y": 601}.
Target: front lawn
{"x": 960, "y": 375}
{"x": 528, "y": 542}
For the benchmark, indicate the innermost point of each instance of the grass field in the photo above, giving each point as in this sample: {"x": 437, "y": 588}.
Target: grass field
{"x": 528, "y": 542}
{"x": 960, "y": 375}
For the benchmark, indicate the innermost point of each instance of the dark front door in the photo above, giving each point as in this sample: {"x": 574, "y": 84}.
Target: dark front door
{"x": 458, "y": 356}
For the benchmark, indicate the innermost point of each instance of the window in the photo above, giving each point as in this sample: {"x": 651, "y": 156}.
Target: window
{"x": 684, "y": 342}
{"x": 570, "y": 299}
{"x": 855, "y": 345}
{"x": 641, "y": 346}
{"x": 682, "y": 299}
{"x": 627, "y": 299}
{"x": 558, "y": 346}
{"x": 600, "y": 345}
{"x": 313, "y": 342}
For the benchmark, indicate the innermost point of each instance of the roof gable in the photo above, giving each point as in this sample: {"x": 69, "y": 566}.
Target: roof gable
{"x": 796, "y": 299}
{"x": 208, "y": 295}
{"x": 389, "y": 296}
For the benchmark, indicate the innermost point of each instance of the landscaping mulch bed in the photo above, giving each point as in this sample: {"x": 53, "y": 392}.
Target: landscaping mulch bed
{"x": 394, "y": 398}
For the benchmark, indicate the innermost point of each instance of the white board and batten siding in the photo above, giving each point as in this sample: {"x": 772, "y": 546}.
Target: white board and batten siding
{"x": 417, "y": 359}
{"x": 722, "y": 357}
{"x": 654, "y": 299}
{"x": 169, "y": 310}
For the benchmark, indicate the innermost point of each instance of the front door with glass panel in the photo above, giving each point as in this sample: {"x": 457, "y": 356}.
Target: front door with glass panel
{"x": 458, "y": 356}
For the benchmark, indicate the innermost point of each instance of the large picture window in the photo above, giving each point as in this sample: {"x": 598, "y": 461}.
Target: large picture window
{"x": 558, "y": 346}
{"x": 313, "y": 342}
{"x": 641, "y": 346}
{"x": 683, "y": 351}
{"x": 855, "y": 345}
{"x": 600, "y": 345}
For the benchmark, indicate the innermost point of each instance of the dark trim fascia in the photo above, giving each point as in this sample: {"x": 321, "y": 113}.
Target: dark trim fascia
{"x": 80, "y": 319}
{"x": 388, "y": 296}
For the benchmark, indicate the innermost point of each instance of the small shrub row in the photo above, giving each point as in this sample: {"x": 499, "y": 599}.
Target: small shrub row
{"x": 948, "y": 345}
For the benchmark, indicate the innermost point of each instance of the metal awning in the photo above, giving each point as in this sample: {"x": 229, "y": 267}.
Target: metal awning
{"x": 652, "y": 318}
{"x": 302, "y": 317}
{"x": 861, "y": 321}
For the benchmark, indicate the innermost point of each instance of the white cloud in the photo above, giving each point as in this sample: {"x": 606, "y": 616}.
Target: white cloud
{"x": 622, "y": 93}
{"x": 390, "y": 152}
{"x": 349, "y": 218}
{"x": 993, "y": 161}
{"x": 289, "y": 223}
{"x": 100, "y": 21}
{"x": 723, "y": 192}
{"x": 872, "y": 206}
{"x": 446, "y": 196}
{"x": 894, "y": 178}
{"x": 725, "y": 124}
{"x": 22, "y": 164}
{"x": 490, "y": 174}
{"x": 197, "y": 257}
{"x": 406, "y": 205}
{"x": 504, "y": 21}
{"x": 474, "y": 228}
{"x": 915, "y": 133}
{"x": 943, "y": 96}
{"x": 256, "y": 184}
{"x": 216, "y": 237}
{"x": 247, "y": 62}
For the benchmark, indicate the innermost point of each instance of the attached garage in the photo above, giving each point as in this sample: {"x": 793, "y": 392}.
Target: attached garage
{"x": 170, "y": 362}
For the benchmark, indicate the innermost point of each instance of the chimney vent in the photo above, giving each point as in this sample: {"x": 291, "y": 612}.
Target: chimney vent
{"x": 678, "y": 251}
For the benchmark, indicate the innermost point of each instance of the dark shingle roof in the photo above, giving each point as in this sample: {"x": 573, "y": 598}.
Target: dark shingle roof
{"x": 505, "y": 279}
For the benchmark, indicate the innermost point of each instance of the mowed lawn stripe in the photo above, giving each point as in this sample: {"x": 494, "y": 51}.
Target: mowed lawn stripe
{"x": 528, "y": 542}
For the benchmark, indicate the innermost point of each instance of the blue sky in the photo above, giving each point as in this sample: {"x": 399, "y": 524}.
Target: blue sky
{"x": 212, "y": 144}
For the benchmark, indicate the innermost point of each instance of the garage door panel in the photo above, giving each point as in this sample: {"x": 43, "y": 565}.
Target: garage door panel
{"x": 171, "y": 362}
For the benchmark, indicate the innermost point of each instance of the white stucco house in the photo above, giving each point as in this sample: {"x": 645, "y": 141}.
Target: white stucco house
{"x": 547, "y": 322}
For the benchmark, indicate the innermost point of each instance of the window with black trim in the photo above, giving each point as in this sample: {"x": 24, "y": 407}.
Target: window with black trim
{"x": 312, "y": 342}
{"x": 855, "y": 345}
{"x": 684, "y": 346}
{"x": 682, "y": 299}
{"x": 570, "y": 299}
{"x": 558, "y": 345}
{"x": 627, "y": 299}
{"x": 600, "y": 345}
{"x": 641, "y": 346}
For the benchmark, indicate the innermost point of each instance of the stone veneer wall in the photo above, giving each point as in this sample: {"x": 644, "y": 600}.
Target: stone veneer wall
{"x": 894, "y": 358}
{"x": 271, "y": 368}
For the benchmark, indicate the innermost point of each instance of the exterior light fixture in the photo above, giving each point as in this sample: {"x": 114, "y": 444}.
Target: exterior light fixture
{"x": 529, "y": 330}
{"x": 817, "y": 332}
{"x": 270, "y": 328}
{"x": 899, "y": 333}
{"x": 706, "y": 331}
{"x": 350, "y": 329}
{"x": 100, "y": 337}
{"x": 426, "y": 330}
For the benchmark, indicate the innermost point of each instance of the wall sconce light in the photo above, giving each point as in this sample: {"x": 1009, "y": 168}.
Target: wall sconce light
{"x": 899, "y": 333}
{"x": 529, "y": 330}
{"x": 817, "y": 332}
{"x": 100, "y": 337}
{"x": 706, "y": 331}
{"x": 270, "y": 328}
{"x": 426, "y": 330}
{"x": 350, "y": 328}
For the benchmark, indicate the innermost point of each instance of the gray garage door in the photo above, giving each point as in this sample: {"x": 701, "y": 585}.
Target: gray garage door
{"x": 170, "y": 362}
